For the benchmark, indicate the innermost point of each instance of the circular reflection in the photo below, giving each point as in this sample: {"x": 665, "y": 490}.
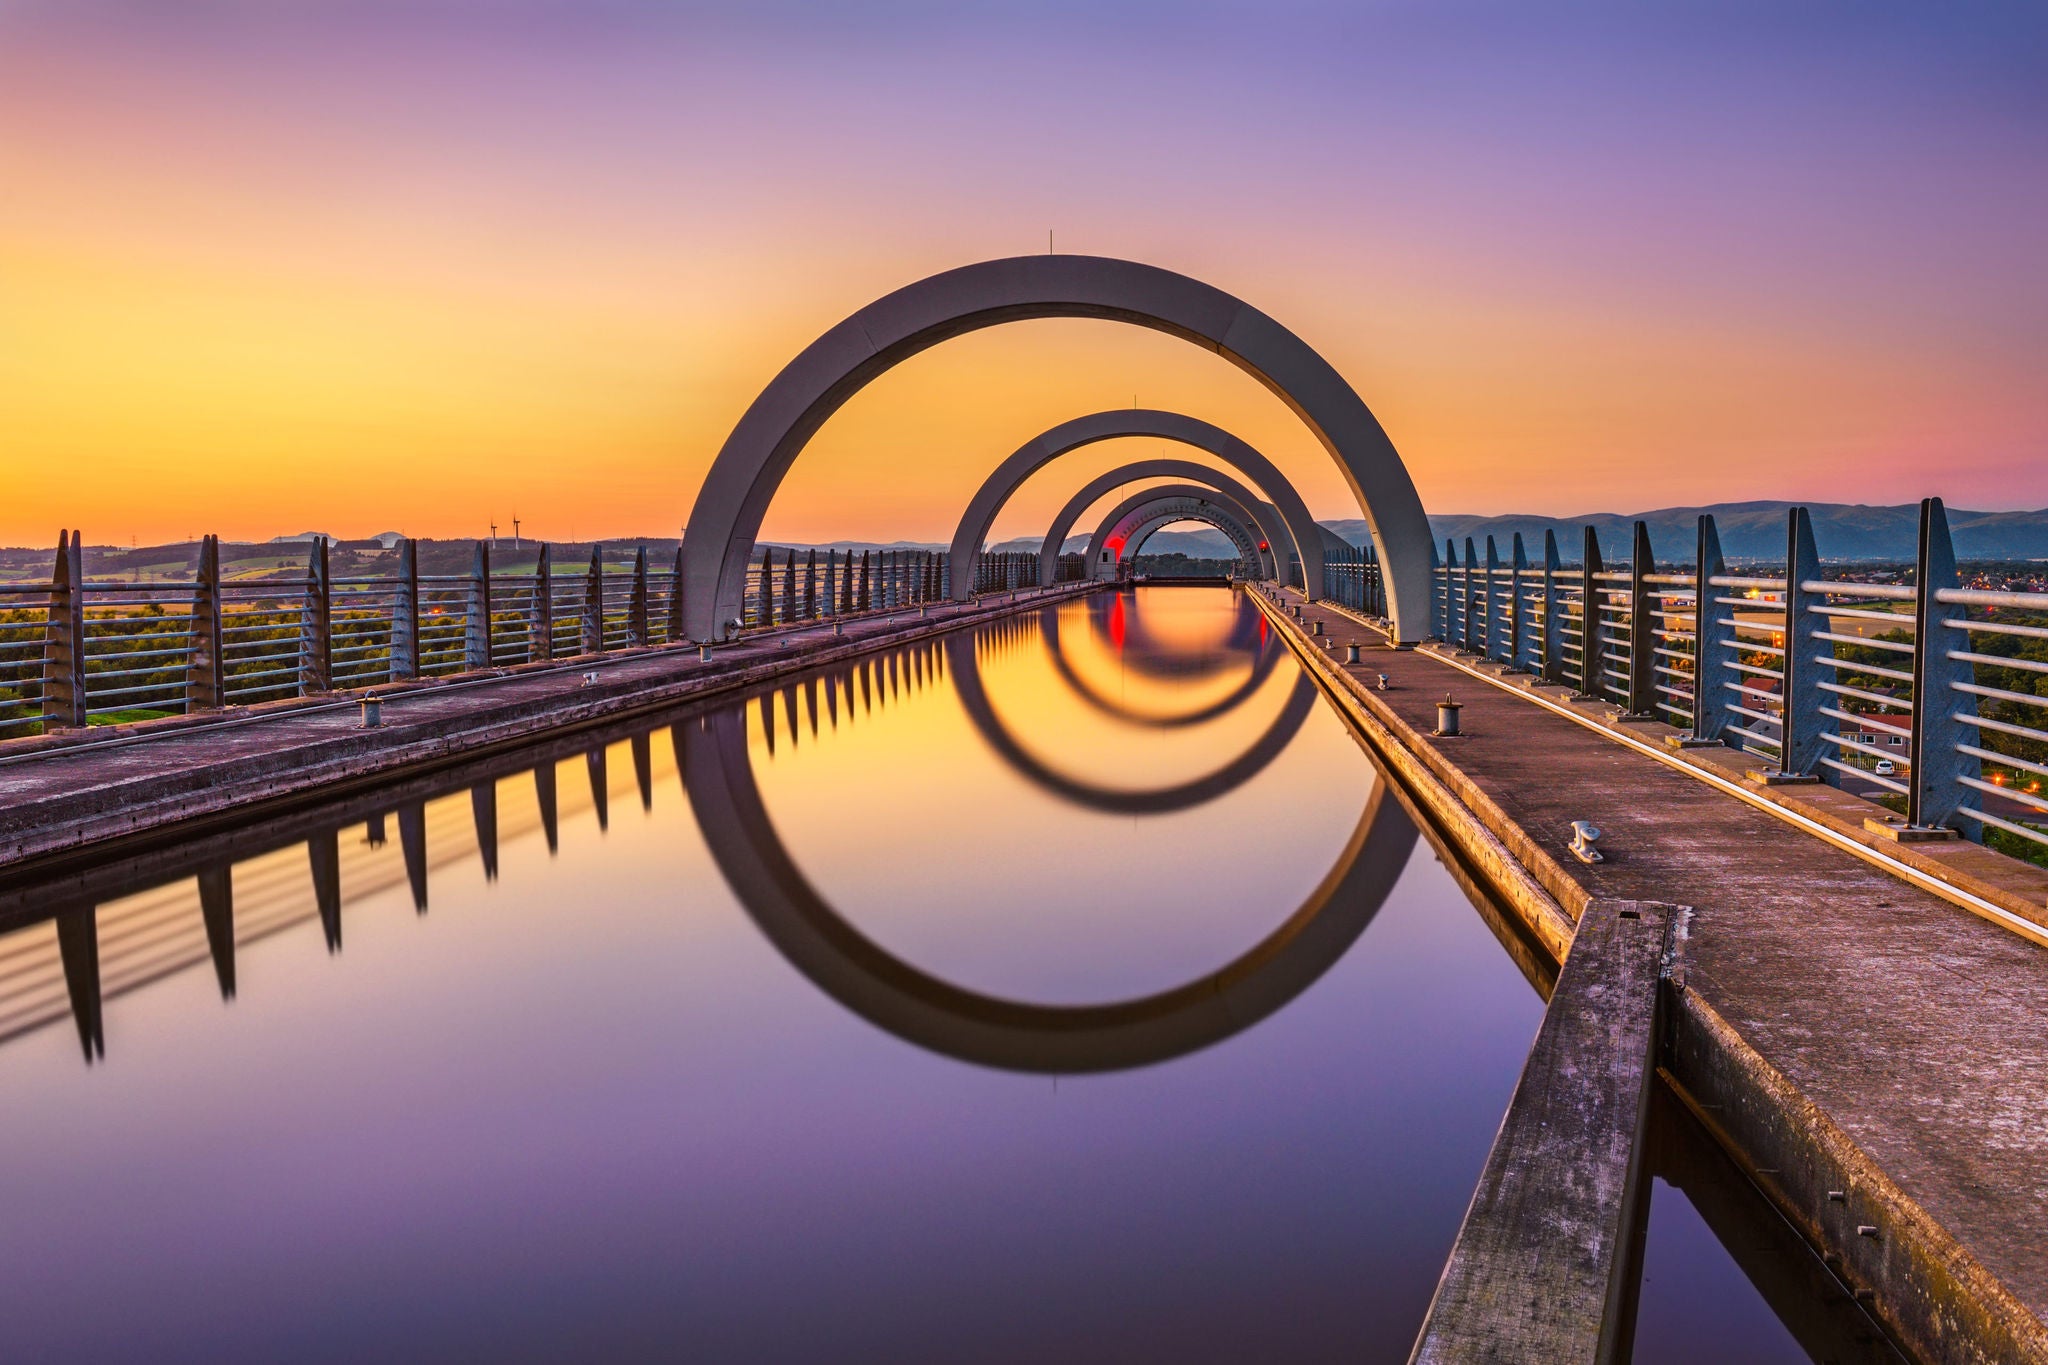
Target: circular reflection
{"x": 962, "y": 663}
{"x": 1017, "y": 1035}
{"x": 1142, "y": 655}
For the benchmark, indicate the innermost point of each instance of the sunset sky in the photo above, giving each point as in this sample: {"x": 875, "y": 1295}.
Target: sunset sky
{"x": 271, "y": 267}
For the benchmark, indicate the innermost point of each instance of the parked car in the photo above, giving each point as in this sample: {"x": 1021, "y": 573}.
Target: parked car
{"x": 1885, "y": 767}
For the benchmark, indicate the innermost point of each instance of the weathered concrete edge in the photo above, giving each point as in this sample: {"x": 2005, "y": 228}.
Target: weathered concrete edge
{"x": 1543, "y": 1269}
{"x": 1911, "y": 1273}
{"x": 34, "y": 831}
{"x": 1785, "y": 1126}
{"x": 1483, "y": 833}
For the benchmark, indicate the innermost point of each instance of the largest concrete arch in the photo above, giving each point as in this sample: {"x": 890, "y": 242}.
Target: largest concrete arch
{"x": 783, "y": 418}
{"x": 1116, "y": 423}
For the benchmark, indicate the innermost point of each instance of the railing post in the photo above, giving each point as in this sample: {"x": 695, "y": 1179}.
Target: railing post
{"x": 64, "y": 637}
{"x": 1936, "y": 786}
{"x": 1496, "y": 628}
{"x": 867, "y": 581}
{"x": 476, "y": 623}
{"x": 1592, "y": 634}
{"x": 593, "y": 603}
{"x": 1552, "y": 663}
{"x": 1802, "y": 726}
{"x": 810, "y": 583}
{"x": 405, "y": 612}
{"x": 676, "y": 634}
{"x": 316, "y": 626}
{"x": 1518, "y": 608}
{"x": 1451, "y": 596}
{"x": 636, "y": 605}
{"x": 204, "y": 680}
{"x": 1713, "y": 640}
{"x": 541, "y": 619}
{"x": 1470, "y": 611}
{"x": 1642, "y": 629}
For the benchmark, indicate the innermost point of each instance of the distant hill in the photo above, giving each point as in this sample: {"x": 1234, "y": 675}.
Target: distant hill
{"x": 1751, "y": 530}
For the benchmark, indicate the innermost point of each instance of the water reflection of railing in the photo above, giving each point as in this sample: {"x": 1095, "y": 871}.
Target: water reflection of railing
{"x": 77, "y": 941}
{"x": 125, "y": 923}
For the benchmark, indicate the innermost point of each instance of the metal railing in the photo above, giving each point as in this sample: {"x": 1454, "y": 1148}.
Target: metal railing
{"x": 75, "y": 651}
{"x": 1929, "y": 692}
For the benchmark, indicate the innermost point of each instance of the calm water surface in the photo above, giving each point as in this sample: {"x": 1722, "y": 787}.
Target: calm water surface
{"x": 1068, "y": 990}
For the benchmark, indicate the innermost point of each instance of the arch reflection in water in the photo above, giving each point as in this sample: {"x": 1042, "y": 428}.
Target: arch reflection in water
{"x": 973, "y": 1026}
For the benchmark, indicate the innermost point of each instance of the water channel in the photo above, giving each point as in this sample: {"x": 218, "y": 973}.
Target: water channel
{"x": 1068, "y": 989}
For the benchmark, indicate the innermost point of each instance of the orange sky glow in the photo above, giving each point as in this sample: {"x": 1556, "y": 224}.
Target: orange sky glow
{"x": 265, "y": 278}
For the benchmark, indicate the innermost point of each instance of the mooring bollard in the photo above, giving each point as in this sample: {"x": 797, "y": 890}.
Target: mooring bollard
{"x": 1382, "y": 684}
{"x": 373, "y": 712}
{"x": 1447, "y": 716}
{"x": 1584, "y": 835}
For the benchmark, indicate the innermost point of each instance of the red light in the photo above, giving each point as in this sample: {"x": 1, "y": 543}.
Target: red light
{"x": 1264, "y": 546}
{"x": 1116, "y": 622}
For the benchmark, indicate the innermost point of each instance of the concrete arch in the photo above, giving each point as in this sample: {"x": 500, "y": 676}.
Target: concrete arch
{"x": 768, "y": 437}
{"x": 1299, "y": 530}
{"x": 1271, "y": 521}
{"x": 1136, "y": 517}
{"x": 1015, "y": 1035}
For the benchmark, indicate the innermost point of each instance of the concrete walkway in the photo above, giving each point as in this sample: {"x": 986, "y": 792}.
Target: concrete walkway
{"x": 1876, "y": 1057}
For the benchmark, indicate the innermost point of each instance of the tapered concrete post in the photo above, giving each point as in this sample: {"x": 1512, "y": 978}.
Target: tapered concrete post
{"x": 1592, "y": 631}
{"x": 1643, "y": 631}
{"x": 676, "y": 633}
{"x": 205, "y": 683}
{"x": 217, "y": 910}
{"x": 1451, "y": 598}
{"x": 78, "y": 948}
{"x": 642, "y": 747}
{"x": 1713, "y": 640}
{"x": 323, "y": 852}
{"x": 405, "y": 613}
{"x": 544, "y": 794}
{"x": 540, "y": 621}
{"x": 828, "y": 596}
{"x": 593, "y": 603}
{"x": 1936, "y": 787}
{"x": 316, "y": 626}
{"x": 1803, "y": 727}
{"x": 64, "y": 637}
{"x": 483, "y": 810}
{"x": 810, "y": 598}
{"x": 789, "y": 587}
{"x": 1475, "y": 628}
{"x": 1553, "y": 622}
{"x": 412, "y": 843}
{"x": 636, "y": 605}
{"x": 1496, "y": 617}
{"x": 600, "y": 787}
{"x": 1518, "y": 632}
{"x": 476, "y": 616}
